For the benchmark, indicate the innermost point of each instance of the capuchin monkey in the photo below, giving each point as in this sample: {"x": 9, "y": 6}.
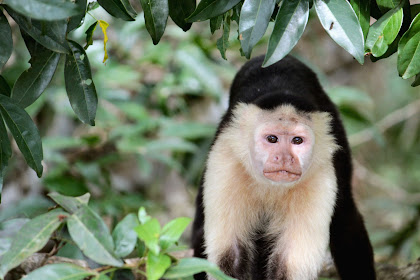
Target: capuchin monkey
{"x": 277, "y": 185}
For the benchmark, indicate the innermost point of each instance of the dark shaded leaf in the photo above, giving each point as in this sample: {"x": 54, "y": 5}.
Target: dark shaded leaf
{"x": 59, "y": 271}
{"x": 386, "y": 5}
{"x": 207, "y": 9}
{"x": 44, "y": 9}
{"x": 125, "y": 238}
{"x": 254, "y": 19}
{"x": 156, "y": 14}
{"x": 5, "y": 151}
{"x": 32, "y": 83}
{"x": 119, "y": 8}
{"x": 6, "y": 42}
{"x": 223, "y": 42}
{"x": 92, "y": 236}
{"x": 24, "y": 131}
{"x": 179, "y": 10}
{"x": 69, "y": 203}
{"x": 77, "y": 20}
{"x": 362, "y": 10}
{"x": 409, "y": 51}
{"x": 416, "y": 81}
{"x": 189, "y": 266}
{"x": 216, "y": 23}
{"x": 79, "y": 84}
{"x": 341, "y": 23}
{"x": 288, "y": 28}
{"x": 31, "y": 238}
{"x": 89, "y": 34}
{"x": 384, "y": 31}
{"x": 51, "y": 35}
{"x": 4, "y": 87}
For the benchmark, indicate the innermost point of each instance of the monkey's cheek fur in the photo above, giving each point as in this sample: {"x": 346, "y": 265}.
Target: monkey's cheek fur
{"x": 282, "y": 176}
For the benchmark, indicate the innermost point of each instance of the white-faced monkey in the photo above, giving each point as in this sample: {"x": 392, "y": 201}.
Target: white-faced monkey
{"x": 277, "y": 185}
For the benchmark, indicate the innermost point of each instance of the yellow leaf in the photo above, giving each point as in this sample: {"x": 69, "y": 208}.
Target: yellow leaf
{"x": 104, "y": 25}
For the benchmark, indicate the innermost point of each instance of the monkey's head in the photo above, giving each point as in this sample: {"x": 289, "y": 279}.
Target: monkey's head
{"x": 281, "y": 146}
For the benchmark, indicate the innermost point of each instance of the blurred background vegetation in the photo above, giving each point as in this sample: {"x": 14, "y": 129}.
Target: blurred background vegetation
{"x": 158, "y": 110}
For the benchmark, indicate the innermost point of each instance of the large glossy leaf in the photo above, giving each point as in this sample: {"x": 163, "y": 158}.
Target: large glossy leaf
{"x": 70, "y": 203}
{"x": 24, "y": 131}
{"x": 384, "y": 31}
{"x": 409, "y": 51}
{"x": 119, "y": 8}
{"x": 51, "y": 35}
{"x": 172, "y": 231}
{"x": 254, "y": 19}
{"x": 5, "y": 151}
{"x": 31, "y": 238}
{"x": 59, "y": 271}
{"x": 6, "y": 42}
{"x": 362, "y": 10}
{"x": 189, "y": 266}
{"x": 223, "y": 42}
{"x": 77, "y": 20}
{"x": 179, "y": 10}
{"x": 341, "y": 23}
{"x": 92, "y": 236}
{"x": 32, "y": 82}
{"x": 207, "y": 9}
{"x": 79, "y": 84}
{"x": 288, "y": 28}
{"x": 156, "y": 265}
{"x": 124, "y": 236}
{"x": 155, "y": 15}
{"x": 45, "y": 9}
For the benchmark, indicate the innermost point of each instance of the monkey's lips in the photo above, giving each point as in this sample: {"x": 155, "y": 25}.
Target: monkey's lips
{"x": 282, "y": 175}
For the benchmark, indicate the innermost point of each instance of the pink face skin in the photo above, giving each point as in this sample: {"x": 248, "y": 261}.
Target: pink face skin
{"x": 283, "y": 150}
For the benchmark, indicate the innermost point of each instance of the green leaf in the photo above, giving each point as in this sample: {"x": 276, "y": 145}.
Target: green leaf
{"x": 24, "y": 131}
{"x": 5, "y": 151}
{"x": 89, "y": 34}
{"x": 91, "y": 235}
{"x": 142, "y": 215}
{"x": 79, "y": 84}
{"x": 172, "y": 231}
{"x": 254, "y": 19}
{"x": 384, "y": 31}
{"x": 409, "y": 51}
{"x": 124, "y": 236}
{"x": 119, "y": 9}
{"x": 216, "y": 23}
{"x": 362, "y": 10}
{"x": 51, "y": 35}
{"x": 6, "y": 42}
{"x": 207, "y": 9}
{"x": 45, "y": 9}
{"x": 189, "y": 266}
{"x": 416, "y": 81}
{"x": 77, "y": 20}
{"x": 32, "y": 83}
{"x": 149, "y": 232}
{"x": 341, "y": 23}
{"x": 155, "y": 15}
{"x": 59, "y": 271}
{"x": 179, "y": 10}
{"x": 290, "y": 23}
{"x": 223, "y": 42}
{"x": 4, "y": 87}
{"x": 390, "y": 51}
{"x": 31, "y": 238}
{"x": 173, "y": 144}
{"x": 156, "y": 265}
{"x": 71, "y": 204}
{"x": 386, "y": 5}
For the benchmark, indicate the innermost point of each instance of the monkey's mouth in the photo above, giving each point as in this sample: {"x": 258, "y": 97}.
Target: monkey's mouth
{"x": 282, "y": 175}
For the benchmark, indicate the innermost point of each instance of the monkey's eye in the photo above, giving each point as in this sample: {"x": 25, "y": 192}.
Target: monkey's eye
{"x": 297, "y": 140}
{"x": 272, "y": 138}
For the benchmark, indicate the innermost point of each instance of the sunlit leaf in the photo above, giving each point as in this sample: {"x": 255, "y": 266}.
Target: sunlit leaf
{"x": 189, "y": 266}
{"x": 31, "y": 238}
{"x": 59, "y": 271}
{"x": 79, "y": 84}
{"x": 92, "y": 236}
{"x": 149, "y": 232}
{"x": 341, "y": 23}
{"x": 207, "y": 9}
{"x": 409, "y": 51}
{"x": 124, "y": 236}
{"x": 6, "y": 42}
{"x": 254, "y": 19}
{"x": 384, "y": 31}
{"x": 172, "y": 231}
{"x": 156, "y": 265}
{"x": 119, "y": 8}
{"x": 156, "y": 14}
{"x": 32, "y": 83}
{"x": 179, "y": 10}
{"x": 104, "y": 25}
{"x": 362, "y": 10}
{"x": 288, "y": 28}
{"x": 24, "y": 131}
